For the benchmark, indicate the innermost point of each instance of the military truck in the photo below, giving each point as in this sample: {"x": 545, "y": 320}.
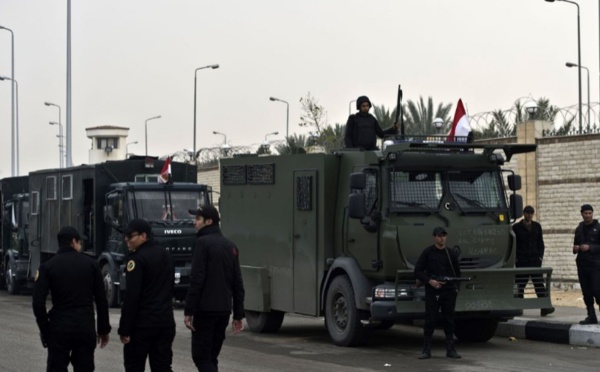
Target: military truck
{"x": 338, "y": 235}
{"x": 100, "y": 199}
{"x": 14, "y": 250}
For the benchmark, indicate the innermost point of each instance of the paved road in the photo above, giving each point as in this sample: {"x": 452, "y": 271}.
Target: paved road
{"x": 302, "y": 345}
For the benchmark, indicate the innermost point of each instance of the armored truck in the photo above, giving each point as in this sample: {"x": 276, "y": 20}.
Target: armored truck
{"x": 14, "y": 250}
{"x": 100, "y": 199}
{"x": 337, "y": 235}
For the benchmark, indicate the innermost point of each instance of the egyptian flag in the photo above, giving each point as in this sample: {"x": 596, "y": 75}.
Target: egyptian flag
{"x": 165, "y": 173}
{"x": 460, "y": 125}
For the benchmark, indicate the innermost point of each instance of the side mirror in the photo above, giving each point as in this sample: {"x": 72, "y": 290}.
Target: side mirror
{"x": 516, "y": 206}
{"x": 514, "y": 182}
{"x": 358, "y": 181}
{"x": 356, "y": 206}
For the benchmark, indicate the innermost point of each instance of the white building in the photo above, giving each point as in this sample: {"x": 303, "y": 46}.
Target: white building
{"x": 109, "y": 142}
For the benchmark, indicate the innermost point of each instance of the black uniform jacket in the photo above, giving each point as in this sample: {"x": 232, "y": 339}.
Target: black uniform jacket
{"x": 530, "y": 244}
{"x": 75, "y": 282}
{"x": 435, "y": 261}
{"x": 362, "y": 130}
{"x": 216, "y": 277}
{"x": 588, "y": 234}
{"x": 150, "y": 276}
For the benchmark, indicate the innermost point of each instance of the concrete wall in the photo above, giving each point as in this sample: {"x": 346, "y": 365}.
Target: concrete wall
{"x": 212, "y": 177}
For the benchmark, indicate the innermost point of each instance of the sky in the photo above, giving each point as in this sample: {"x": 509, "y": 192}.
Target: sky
{"x": 135, "y": 59}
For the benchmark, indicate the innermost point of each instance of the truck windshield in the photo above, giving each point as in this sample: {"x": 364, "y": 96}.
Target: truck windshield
{"x": 163, "y": 205}
{"x": 475, "y": 191}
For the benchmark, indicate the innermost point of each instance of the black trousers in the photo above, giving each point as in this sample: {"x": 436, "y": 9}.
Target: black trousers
{"x": 440, "y": 305}
{"x": 589, "y": 279}
{"x": 75, "y": 348}
{"x": 536, "y": 279}
{"x": 152, "y": 342}
{"x": 208, "y": 339}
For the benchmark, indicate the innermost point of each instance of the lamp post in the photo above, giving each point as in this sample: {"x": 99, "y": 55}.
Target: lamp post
{"x": 69, "y": 157}
{"x": 62, "y": 162}
{"x": 222, "y": 134}
{"x": 60, "y": 143}
{"x": 13, "y": 150}
{"x": 350, "y": 107}
{"x": 578, "y": 57}
{"x": 531, "y": 107}
{"x": 16, "y": 140}
{"x": 146, "y": 131}
{"x": 570, "y": 64}
{"x": 225, "y": 146}
{"x": 438, "y": 123}
{"x": 287, "y": 115}
{"x": 127, "y": 147}
{"x": 195, "y": 71}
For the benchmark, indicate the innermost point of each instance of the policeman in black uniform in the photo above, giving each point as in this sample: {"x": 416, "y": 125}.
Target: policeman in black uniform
{"x": 586, "y": 246}
{"x": 439, "y": 260}
{"x": 362, "y": 128}
{"x": 530, "y": 253}
{"x": 215, "y": 280}
{"x": 147, "y": 326}
{"x": 74, "y": 282}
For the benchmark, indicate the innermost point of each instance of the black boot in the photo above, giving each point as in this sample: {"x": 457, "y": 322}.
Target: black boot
{"x": 544, "y": 312}
{"x": 426, "y": 353}
{"x": 591, "y": 318}
{"x": 450, "y": 352}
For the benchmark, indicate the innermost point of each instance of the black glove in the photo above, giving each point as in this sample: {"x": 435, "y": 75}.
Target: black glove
{"x": 43, "y": 339}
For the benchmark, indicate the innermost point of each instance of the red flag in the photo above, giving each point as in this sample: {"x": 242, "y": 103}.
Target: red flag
{"x": 165, "y": 173}
{"x": 460, "y": 124}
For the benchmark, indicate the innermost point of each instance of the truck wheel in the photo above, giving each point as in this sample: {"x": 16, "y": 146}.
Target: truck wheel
{"x": 475, "y": 330}
{"x": 11, "y": 285}
{"x": 111, "y": 290}
{"x": 261, "y": 322}
{"x": 341, "y": 315}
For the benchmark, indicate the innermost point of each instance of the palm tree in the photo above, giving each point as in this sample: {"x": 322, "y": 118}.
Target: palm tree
{"x": 332, "y": 138}
{"x": 383, "y": 115}
{"x": 419, "y": 117}
{"x": 294, "y": 144}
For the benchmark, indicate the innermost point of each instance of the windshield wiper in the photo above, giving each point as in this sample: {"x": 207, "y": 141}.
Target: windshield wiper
{"x": 473, "y": 203}
{"x": 415, "y": 204}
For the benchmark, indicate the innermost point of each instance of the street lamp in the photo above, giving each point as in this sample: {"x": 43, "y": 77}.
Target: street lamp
{"x": 69, "y": 157}
{"x": 146, "y": 131}
{"x": 265, "y": 145}
{"x": 60, "y": 130}
{"x": 12, "y": 104}
{"x": 60, "y": 143}
{"x": 287, "y": 115}
{"x": 195, "y": 71}
{"x": 438, "y": 123}
{"x": 350, "y": 107}
{"x": 578, "y": 57}
{"x": 570, "y": 64}
{"x": 127, "y": 147}
{"x": 531, "y": 107}
{"x": 225, "y": 146}
{"x": 16, "y": 141}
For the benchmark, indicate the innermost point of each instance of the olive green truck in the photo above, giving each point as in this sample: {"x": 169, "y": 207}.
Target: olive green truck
{"x": 337, "y": 235}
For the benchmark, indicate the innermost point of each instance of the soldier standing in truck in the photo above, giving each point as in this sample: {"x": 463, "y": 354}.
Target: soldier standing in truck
{"x": 530, "y": 253}
{"x": 362, "y": 129}
{"x": 437, "y": 260}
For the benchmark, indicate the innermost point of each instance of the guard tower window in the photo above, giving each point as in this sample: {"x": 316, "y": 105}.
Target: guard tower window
{"x": 51, "y": 188}
{"x": 107, "y": 142}
{"x": 35, "y": 203}
{"x": 67, "y": 187}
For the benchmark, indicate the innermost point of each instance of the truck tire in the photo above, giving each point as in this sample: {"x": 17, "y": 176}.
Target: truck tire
{"x": 111, "y": 289}
{"x": 475, "y": 330}
{"x": 11, "y": 285}
{"x": 261, "y": 322}
{"x": 341, "y": 315}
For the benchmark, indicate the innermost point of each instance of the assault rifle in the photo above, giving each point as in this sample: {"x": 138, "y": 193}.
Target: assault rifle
{"x": 450, "y": 278}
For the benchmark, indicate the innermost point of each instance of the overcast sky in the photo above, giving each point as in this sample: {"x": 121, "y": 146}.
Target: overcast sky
{"x": 135, "y": 59}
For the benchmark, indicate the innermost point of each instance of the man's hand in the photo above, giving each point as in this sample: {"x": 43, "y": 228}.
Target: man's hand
{"x": 584, "y": 247}
{"x": 575, "y": 249}
{"x": 237, "y": 326}
{"x": 188, "y": 320}
{"x": 125, "y": 339}
{"x": 102, "y": 340}
{"x": 435, "y": 284}
{"x": 44, "y": 341}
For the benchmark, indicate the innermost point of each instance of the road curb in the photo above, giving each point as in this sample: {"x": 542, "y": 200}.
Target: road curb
{"x": 555, "y": 332}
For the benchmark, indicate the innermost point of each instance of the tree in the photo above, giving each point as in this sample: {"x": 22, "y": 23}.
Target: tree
{"x": 332, "y": 138}
{"x": 419, "y": 117}
{"x": 314, "y": 115}
{"x": 294, "y": 144}
{"x": 383, "y": 115}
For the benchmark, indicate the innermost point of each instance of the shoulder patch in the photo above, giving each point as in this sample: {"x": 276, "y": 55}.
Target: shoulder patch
{"x": 37, "y": 275}
{"x": 130, "y": 265}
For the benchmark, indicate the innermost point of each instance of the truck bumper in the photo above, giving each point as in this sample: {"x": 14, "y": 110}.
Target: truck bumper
{"x": 387, "y": 310}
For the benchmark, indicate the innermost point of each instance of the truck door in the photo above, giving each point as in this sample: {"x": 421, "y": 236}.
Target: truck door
{"x": 305, "y": 214}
